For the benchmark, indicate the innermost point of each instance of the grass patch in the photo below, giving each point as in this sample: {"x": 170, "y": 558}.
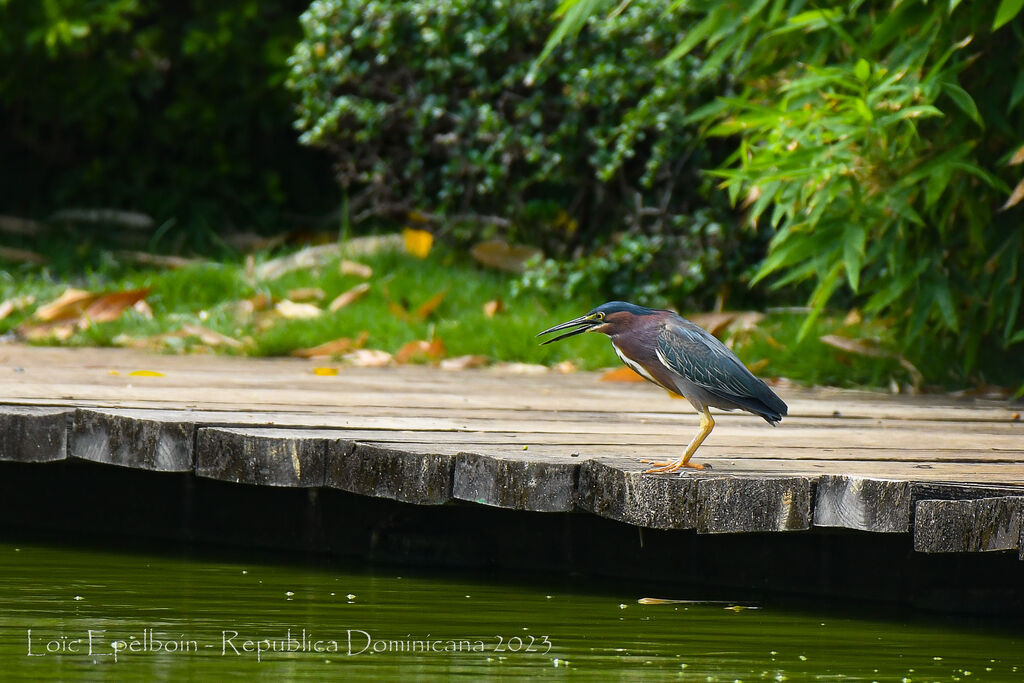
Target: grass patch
{"x": 209, "y": 294}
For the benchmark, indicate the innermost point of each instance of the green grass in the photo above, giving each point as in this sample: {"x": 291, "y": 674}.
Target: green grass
{"x": 208, "y": 295}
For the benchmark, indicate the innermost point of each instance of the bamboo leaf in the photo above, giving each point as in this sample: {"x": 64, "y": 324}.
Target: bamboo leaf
{"x": 854, "y": 238}
{"x": 1008, "y": 9}
{"x": 963, "y": 100}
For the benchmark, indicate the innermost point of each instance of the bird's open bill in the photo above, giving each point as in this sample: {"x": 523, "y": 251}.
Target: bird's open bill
{"x": 582, "y": 324}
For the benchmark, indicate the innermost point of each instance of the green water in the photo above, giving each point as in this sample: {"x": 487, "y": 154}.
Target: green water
{"x": 159, "y": 617}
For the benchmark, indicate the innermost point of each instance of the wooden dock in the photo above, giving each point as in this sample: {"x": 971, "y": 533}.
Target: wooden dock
{"x": 948, "y": 472}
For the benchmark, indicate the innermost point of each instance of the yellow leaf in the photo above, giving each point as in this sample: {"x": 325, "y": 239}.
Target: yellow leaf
{"x": 293, "y": 311}
{"x": 306, "y": 294}
{"x": 145, "y": 373}
{"x": 325, "y": 372}
{"x": 362, "y": 270}
{"x": 492, "y": 308}
{"x": 417, "y": 242}
{"x": 428, "y": 307}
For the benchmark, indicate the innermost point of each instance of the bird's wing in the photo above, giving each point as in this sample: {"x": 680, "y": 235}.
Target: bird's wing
{"x": 703, "y": 360}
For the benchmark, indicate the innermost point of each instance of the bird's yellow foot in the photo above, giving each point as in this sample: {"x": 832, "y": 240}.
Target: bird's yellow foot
{"x": 669, "y": 467}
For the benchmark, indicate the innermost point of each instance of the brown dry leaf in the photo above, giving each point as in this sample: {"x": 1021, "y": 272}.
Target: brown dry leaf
{"x": 759, "y": 365}
{"x": 110, "y": 306}
{"x": 335, "y": 347}
{"x": 1015, "y": 197}
{"x": 306, "y": 294}
{"x": 211, "y": 337}
{"x": 853, "y": 318}
{"x": 293, "y": 311}
{"x": 368, "y": 358}
{"x": 143, "y": 309}
{"x": 1018, "y": 156}
{"x": 718, "y": 322}
{"x": 426, "y": 308}
{"x": 347, "y": 297}
{"x": 60, "y": 330}
{"x": 21, "y": 256}
{"x": 865, "y": 348}
{"x": 421, "y": 351}
{"x": 521, "y": 368}
{"x": 504, "y": 256}
{"x": 71, "y": 304}
{"x": 355, "y": 268}
{"x": 464, "y": 362}
{"x": 417, "y": 242}
{"x": 623, "y": 374}
{"x": 565, "y": 367}
{"x": 493, "y": 308}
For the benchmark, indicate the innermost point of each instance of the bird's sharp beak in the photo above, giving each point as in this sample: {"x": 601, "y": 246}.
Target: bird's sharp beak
{"x": 581, "y": 324}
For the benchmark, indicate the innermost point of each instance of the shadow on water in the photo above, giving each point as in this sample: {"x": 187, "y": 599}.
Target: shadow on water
{"x": 173, "y": 610}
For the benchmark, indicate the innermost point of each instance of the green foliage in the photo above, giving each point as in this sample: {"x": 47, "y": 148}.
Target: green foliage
{"x": 874, "y": 137}
{"x": 176, "y": 111}
{"x": 432, "y": 107}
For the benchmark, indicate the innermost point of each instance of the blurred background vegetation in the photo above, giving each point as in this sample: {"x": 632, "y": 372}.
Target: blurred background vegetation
{"x": 852, "y": 166}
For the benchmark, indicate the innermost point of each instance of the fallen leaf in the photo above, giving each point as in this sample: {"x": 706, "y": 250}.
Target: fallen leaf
{"x": 464, "y": 362}
{"x": 110, "y": 306}
{"x": 565, "y": 367}
{"x": 71, "y": 304}
{"x": 143, "y": 309}
{"x": 494, "y": 307}
{"x": 211, "y": 337}
{"x": 368, "y": 358}
{"x": 325, "y": 372}
{"x": 304, "y": 259}
{"x": 293, "y": 311}
{"x": 759, "y": 365}
{"x": 335, "y": 347}
{"x": 622, "y": 374}
{"x": 426, "y": 308}
{"x": 15, "y": 304}
{"x": 21, "y": 256}
{"x": 521, "y": 368}
{"x": 354, "y": 268}
{"x": 420, "y": 351}
{"x": 145, "y": 373}
{"x": 306, "y": 294}
{"x": 347, "y": 297}
{"x": 867, "y": 348}
{"x": 60, "y": 330}
{"x": 503, "y": 256}
{"x": 417, "y": 242}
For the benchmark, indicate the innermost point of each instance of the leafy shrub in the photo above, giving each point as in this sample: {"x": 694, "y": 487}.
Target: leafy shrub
{"x": 874, "y": 137}
{"x": 174, "y": 110}
{"x": 430, "y": 108}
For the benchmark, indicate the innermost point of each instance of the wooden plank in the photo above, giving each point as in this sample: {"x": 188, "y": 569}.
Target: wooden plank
{"x": 519, "y": 483}
{"x": 862, "y": 503}
{"x": 262, "y": 457}
{"x": 978, "y": 525}
{"x": 422, "y": 478}
{"x": 31, "y": 434}
{"x": 634, "y": 498}
{"x": 115, "y": 438}
{"x": 738, "y": 504}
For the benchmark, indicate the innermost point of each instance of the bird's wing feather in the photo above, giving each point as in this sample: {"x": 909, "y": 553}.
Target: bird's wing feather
{"x": 703, "y": 360}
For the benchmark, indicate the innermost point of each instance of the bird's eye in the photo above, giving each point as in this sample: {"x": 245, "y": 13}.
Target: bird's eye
{"x": 600, "y": 316}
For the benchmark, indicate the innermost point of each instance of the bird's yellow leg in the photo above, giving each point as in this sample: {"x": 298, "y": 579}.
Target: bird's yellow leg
{"x": 707, "y": 423}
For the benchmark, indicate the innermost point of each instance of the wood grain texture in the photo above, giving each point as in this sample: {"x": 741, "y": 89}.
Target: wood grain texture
{"x": 978, "y": 525}
{"x": 34, "y": 434}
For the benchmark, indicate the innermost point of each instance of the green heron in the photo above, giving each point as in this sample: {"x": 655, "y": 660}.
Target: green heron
{"x": 677, "y": 355}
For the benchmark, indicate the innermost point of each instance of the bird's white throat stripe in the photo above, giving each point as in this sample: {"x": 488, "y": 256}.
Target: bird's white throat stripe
{"x": 633, "y": 365}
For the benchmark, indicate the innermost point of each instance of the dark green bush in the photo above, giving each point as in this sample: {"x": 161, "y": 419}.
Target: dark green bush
{"x": 880, "y": 139}
{"x": 172, "y": 109}
{"x": 428, "y": 107}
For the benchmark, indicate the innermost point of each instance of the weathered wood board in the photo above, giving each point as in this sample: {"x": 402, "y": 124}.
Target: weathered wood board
{"x": 949, "y": 471}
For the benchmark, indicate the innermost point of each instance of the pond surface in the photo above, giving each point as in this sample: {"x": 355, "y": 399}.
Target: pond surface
{"x": 73, "y": 613}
